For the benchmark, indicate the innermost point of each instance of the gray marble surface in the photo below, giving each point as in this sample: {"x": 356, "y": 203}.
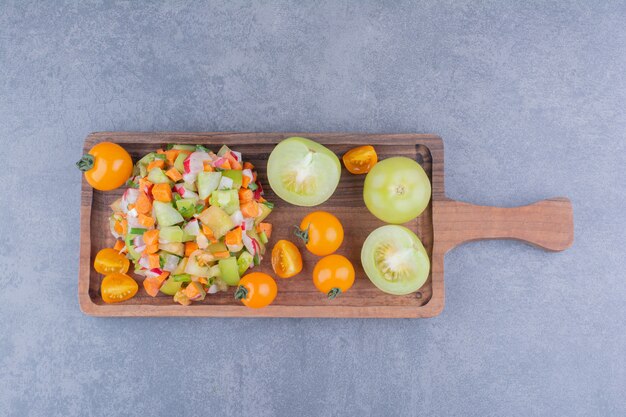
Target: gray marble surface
{"x": 530, "y": 98}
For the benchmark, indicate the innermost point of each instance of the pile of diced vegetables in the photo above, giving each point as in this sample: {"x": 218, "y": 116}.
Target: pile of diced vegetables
{"x": 192, "y": 221}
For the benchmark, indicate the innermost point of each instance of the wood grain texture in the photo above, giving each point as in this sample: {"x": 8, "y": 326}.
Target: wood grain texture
{"x": 444, "y": 224}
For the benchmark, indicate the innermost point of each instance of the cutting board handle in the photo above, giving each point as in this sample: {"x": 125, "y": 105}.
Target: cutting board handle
{"x": 548, "y": 224}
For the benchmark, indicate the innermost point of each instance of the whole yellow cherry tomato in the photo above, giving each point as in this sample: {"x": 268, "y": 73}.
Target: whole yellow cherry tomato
{"x": 321, "y": 232}
{"x": 107, "y": 166}
{"x": 117, "y": 287}
{"x": 109, "y": 260}
{"x": 360, "y": 160}
{"x": 286, "y": 259}
{"x": 256, "y": 290}
{"x": 333, "y": 275}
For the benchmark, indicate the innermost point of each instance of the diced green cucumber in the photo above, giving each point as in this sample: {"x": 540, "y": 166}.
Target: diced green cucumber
{"x": 265, "y": 211}
{"x": 157, "y": 176}
{"x": 186, "y": 207}
{"x": 223, "y": 150}
{"x": 193, "y": 268}
{"x": 217, "y": 247}
{"x": 207, "y": 183}
{"x": 229, "y": 270}
{"x": 263, "y": 238}
{"x": 171, "y": 233}
{"x": 235, "y": 175}
{"x": 175, "y": 248}
{"x": 166, "y": 214}
{"x": 244, "y": 262}
{"x": 179, "y": 162}
{"x": 184, "y": 147}
{"x": 182, "y": 278}
{"x": 171, "y": 286}
{"x": 228, "y": 200}
{"x": 131, "y": 247}
{"x": 217, "y": 220}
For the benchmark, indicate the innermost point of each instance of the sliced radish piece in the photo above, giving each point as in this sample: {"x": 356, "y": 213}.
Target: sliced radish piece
{"x": 248, "y": 173}
{"x": 192, "y": 228}
{"x": 226, "y": 183}
{"x": 138, "y": 241}
{"x": 171, "y": 262}
{"x": 184, "y": 192}
{"x": 212, "y": 289}
{"x": 202, "y": 241}
{"x": 194, "y": 164}
{"x": 236, "y": 155}
{"x": 237, "y": 217}
{"x": 144, "y": 262}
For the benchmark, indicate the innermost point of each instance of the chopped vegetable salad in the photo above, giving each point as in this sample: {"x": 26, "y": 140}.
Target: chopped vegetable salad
{"x": 192, "y": 221}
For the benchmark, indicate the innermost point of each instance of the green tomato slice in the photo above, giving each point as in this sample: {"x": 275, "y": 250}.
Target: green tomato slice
{"x": 395, "y": 260}
{"x": 303, "y": 172}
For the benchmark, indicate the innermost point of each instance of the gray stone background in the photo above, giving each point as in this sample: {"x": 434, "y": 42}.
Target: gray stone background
{"x": 530, "y": 99}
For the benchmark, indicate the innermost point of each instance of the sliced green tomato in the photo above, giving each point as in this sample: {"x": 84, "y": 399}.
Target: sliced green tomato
{"x": 395, "y": 260}
{"x": 217, "y": 247}
{"x": 229, "y": 270}
{"x": 171, "y": 286}
{"x": 171, "y": 233}
{"x": 180, "y": 269}
{"x": 207, "y": 183}
{"x": 223, "y": 150}
{"x": 179, "y": 162}
{"x": 166, "y": 214}
{"x": 217, "y": 220}
{"x": 254, "y": 235}
{"x": 157, "y": 176}
{"x": 174, "y": 248}
{"x": 194, "y": 268}
{"x": 265, "y": 211}
{"x": 228, "y": 200}
{"x": 186, "y": 207}
{"x": 303, "y": 172}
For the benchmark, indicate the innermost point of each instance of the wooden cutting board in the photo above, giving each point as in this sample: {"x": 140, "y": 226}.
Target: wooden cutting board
{"x": 446, "y": 223}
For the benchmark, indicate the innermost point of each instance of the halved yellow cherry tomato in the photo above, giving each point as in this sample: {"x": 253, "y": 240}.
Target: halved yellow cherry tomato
{"x": 333, "y": 275}
{"x": 321, "y": 232}
{"x": 360, "y": 160}
{"x": 117, "y": 287}
{"x": 109, "y": 260}
{"x": 286, "y": 259}
{"x": 256, "y": 290}
{"x": 107, "y": 166}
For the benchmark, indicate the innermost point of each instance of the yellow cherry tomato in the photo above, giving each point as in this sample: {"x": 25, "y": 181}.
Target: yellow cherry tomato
{"x": 117, "y": 287}
{"x": 107, "y": 166}
{"x": 360, "y": 160}
{"x": 109, "y": 260}
{"x": 333, "y": 275}
{"x": 321, "y": 232}
{"x": 286, "y": 259}
{"x": 256, "y": 290}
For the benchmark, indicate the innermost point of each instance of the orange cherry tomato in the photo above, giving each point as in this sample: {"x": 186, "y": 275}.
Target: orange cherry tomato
{"x": 117, "y": 287}
{"x": 107, "y": 166}
{"x": 360, "y": 160}
{"x": 109, "y": 260}
{"x": 321, "y": 232}
{"x": 286, "y": 259}
{"x": 256, "y": 290}
{"x": 333, "y": 275}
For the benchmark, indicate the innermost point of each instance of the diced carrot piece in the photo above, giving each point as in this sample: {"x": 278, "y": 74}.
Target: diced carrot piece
{"x": 203, "y": 281}
{"x": 192, "y": 291}
{"x": 160, "y": 151}
{"x": 248, "y": 165}
{"x": 119, "y": 245}
{"x": 157, "y": 163}
{"x": 233, "y": 162}
{"x": 226, "y": 165}
{"x": 245, "y": 195}
{"x": 151, "y": 237}
{"x": 265, "y": 227}
{"x": 233, "y": 237}
{"x": 154, "y": 248}
{"x": 208, "y": 167}
{"x": 221, "y": 255}
{"x": 162, "y": 192}
{"x": 152, "y": 285}
{"x": 250, "y": 209}
{"x": 261, "y": 200}
{"x": 145, "y": 185}
{"x": 118, "y": 228}
{"x": 245, "y": 181}
{"x": 146, "y": 221}
{"x": 143, "y": 203}
{"x": 131, "y": 206}
{"x": 171, "y": 155}
{"x": 174, "y": 174}
{"x": 190, "y": 247}
{"x": 207, "y": 231}
{"x": 124, "y": 227}
{"x": 153, "y": 258}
